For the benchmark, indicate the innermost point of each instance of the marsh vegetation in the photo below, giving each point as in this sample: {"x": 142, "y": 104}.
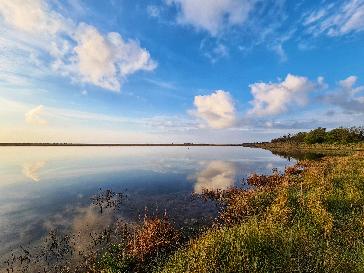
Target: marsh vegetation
{"x": 320, "y": 135}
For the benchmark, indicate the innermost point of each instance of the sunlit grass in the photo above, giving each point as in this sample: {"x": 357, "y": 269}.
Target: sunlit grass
{"x": 300, "y": 221}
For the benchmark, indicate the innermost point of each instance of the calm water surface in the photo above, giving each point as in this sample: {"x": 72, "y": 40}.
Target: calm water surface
{"x": 45, "y": 188}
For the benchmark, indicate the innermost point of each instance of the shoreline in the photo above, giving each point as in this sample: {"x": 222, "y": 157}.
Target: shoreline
{"x": 306, "y": 147}
{"x": 111, "y": 145}
{"x": 303, "y": 151}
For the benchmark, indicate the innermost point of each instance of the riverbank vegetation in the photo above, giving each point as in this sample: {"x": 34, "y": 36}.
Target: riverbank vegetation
{"x": 320, "y": 135}
{"x": 302, "y": 145}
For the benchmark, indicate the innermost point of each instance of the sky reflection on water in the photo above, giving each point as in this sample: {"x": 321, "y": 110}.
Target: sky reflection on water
{"x": 44, "y": 188}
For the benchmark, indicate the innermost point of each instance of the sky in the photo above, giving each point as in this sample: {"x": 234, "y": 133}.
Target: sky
{"x": 174, "y": 71}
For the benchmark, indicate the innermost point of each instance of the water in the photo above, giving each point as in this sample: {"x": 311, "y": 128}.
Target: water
{"x": 46, "y": 188}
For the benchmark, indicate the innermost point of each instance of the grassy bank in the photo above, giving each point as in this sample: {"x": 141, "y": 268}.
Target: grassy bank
{"x": 309, "y": 219}
{"x": 308, "y": 151}
{"x": 337, "y": 141}
{"x": 323, "y": 147}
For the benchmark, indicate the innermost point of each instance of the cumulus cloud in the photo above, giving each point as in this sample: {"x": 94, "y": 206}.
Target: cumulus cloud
{"x": 217, "y": 175}
{"x": 77, "y": 50}
{"x": 105, "y": 60}
{"x": 34, "y": 116}
{"x": 347, "y": 96}
{"x": 217, "y": 109}
{"x": 212, "y": 16}
{"x": 31, "y": 16}
{"x": 336, "y": 20}
{"x": 276, "y": 98}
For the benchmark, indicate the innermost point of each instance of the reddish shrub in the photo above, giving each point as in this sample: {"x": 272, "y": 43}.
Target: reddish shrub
{"x": 154, "y": 236}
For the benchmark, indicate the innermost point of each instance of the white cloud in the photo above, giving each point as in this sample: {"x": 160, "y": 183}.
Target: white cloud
{"x": 217, "y": 175}
{"x": 348, "y": 83}
{"x": 77, "y": 50}
{"x": 347, "y": 96}
{"x": 212, "y": 16}
{"x": 31, "y": 16}
{"x": 106, "y": 60}
{"x": 251, "y": 23}
{"x": 34, "y": 116}
{"x": 276, "y": 98}
{"x": 217, "y": 109}
{"x": 336, "y": 20}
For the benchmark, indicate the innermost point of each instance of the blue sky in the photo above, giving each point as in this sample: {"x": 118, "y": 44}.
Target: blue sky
{"x": 178, "y": 70}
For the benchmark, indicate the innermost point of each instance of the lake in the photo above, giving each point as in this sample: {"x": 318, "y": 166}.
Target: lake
{"x": 47, "y": 188}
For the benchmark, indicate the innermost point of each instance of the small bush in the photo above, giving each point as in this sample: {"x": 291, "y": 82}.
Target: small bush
{"x": 154, "y": 236}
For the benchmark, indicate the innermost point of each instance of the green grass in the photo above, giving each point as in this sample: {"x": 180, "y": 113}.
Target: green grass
{"x": 311, "y": 221}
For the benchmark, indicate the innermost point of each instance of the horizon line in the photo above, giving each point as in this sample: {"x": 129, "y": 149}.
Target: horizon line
{"x": 116, "y": 144}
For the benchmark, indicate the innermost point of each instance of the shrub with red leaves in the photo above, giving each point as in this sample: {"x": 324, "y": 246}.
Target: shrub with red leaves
{"x": 154, "y": 236}
{"x": 265, "y": 180}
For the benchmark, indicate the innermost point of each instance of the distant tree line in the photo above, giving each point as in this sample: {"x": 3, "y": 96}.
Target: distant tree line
{"x": 320, "y": 135}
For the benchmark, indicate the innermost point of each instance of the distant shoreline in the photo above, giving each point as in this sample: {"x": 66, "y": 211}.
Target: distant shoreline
{"x": 108, "y": 145}
{"x": 306, "y": 147}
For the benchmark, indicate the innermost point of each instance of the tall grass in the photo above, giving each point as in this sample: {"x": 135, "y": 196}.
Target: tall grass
{"x": 309, "y": 219}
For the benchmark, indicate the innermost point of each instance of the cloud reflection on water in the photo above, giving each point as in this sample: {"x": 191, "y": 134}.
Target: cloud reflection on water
{"x": 154, "y": 177}
{"x": 31, "y": 170}
{"x": 216, "y": 175}
{"x": 81, "y": 224}
{"x": 74, "y": 228}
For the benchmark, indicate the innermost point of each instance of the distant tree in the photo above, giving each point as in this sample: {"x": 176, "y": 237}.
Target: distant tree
{"x": 299, "y": 137}
{"x": 320, "y": 135}
{"x": 315, "y": 136}
{"x": 357, "y": 134}
{"x": 345, "y": 135}
{"x": 338, "y": 135}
